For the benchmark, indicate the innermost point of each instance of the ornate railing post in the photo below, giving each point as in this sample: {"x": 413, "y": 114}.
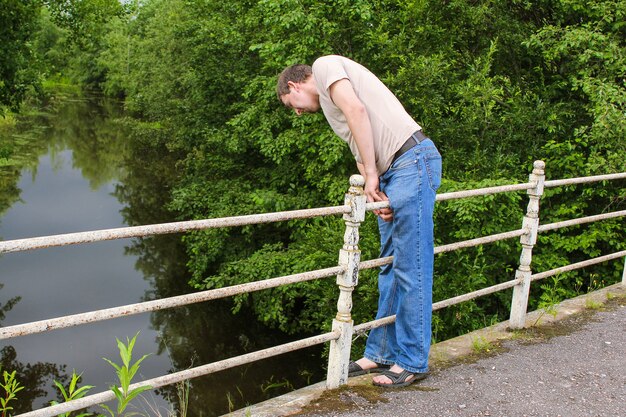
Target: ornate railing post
{"x": 519, "y": 303}
{"x": 349, "y": 256}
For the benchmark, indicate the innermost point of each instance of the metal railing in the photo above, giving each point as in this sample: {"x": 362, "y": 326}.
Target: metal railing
{"x": 347, "y": 273}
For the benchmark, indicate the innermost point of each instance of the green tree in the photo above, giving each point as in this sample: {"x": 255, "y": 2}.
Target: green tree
{"x": 51, "y": 46}
{"x": 17, "y": 70}
{"x": 86, "y": 25}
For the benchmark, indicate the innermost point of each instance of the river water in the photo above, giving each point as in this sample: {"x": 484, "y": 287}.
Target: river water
{"x": 76, "y": 167}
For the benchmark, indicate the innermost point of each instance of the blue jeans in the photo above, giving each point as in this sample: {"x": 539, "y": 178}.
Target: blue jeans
{"x": 405, "y": 286}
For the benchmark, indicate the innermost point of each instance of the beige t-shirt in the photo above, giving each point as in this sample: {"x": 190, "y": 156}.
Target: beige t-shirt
{"x": 391, "y": 124}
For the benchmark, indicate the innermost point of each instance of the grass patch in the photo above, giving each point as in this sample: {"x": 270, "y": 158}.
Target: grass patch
{"x": 593, "y": 305}
{"x": 354, "y": 397}
{"x": 346, "y": 398}
{"x": 481, "y": 349}
{"x": 480, "y": 345}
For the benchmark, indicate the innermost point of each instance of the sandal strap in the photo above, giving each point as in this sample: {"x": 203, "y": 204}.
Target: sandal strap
{"x": 354, "y": 367}
{"x": 396, "y": 377}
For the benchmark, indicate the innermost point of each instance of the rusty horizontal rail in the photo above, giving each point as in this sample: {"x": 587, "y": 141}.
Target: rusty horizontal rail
{"x": 373, "y": 263}
{"x": 184, "y": 226}
{"x": 583, "y": 180}
{"x": 164, "y": 228}
{"x": 18, "y": 245}
{"x": 163, "y": 303}
{"x": 479, "y": 241}
{"x": 475, "y": 294}
{"x": 485, "y": 191}
{"x": 464, "y": 194}
{"x": 580, "y": 220}
{"x": 180, "y": 376}
{"x": 578, "y": 265}
{"x": 361, "y": 328}
{"x": 364, "y": 327}
{"x": 508, "y": 188}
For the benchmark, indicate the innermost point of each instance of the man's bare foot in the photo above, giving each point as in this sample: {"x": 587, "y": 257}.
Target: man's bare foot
{"x": 366, "y": 363}
{"x": 382, "y": 379}
{"x": 365, "y": 366}
{"x": 397, "y": 377}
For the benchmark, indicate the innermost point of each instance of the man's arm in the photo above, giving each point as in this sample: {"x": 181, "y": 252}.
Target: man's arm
{"x": 361, "y": 169}
{"x": 344, "y": 97}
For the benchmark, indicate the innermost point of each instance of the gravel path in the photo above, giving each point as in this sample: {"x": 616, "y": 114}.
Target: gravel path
{"x": 579, "y": 373}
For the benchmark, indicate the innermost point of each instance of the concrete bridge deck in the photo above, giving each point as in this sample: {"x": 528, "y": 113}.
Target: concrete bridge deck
{"x": 572, "y": 364}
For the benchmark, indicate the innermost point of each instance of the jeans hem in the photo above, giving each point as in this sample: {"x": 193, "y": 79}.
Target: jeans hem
{"x": 378, "y": 359}
{"x": 411, "y": 369}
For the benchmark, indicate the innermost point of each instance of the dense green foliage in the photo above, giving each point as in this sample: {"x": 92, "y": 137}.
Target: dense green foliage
{"x": 496, "y": 84}
{"x": 17, "y": 24}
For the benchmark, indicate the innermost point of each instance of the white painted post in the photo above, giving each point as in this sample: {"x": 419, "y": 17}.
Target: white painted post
{"x": 349, "y": 256}
{"x": 519, "y": 303}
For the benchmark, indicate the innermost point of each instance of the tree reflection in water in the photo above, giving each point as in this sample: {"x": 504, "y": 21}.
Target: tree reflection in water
{"x": 35, "y": 378}
{"x": 88, "y": 126}
{"x": 201, "y": 333}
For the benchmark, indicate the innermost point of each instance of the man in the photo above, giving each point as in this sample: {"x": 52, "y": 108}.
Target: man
{"x": 399, "y": 164}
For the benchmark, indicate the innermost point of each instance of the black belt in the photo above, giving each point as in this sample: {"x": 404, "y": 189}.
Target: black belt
{"x": 413, "y": 140}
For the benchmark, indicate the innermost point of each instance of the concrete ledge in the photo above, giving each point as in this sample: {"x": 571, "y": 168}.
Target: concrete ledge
{"x": 440, "y": 353}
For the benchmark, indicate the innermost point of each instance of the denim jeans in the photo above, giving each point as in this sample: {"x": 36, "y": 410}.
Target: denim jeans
{"x": 405, "y": 286}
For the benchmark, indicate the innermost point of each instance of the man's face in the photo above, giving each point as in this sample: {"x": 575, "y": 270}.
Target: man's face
{"x": 301, "y": 98}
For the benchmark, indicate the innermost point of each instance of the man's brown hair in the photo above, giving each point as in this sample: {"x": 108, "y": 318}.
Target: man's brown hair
{"x": 296, "y": 73}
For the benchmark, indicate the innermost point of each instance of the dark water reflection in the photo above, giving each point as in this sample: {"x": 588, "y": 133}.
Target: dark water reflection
{"x": 79, "y": 168}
